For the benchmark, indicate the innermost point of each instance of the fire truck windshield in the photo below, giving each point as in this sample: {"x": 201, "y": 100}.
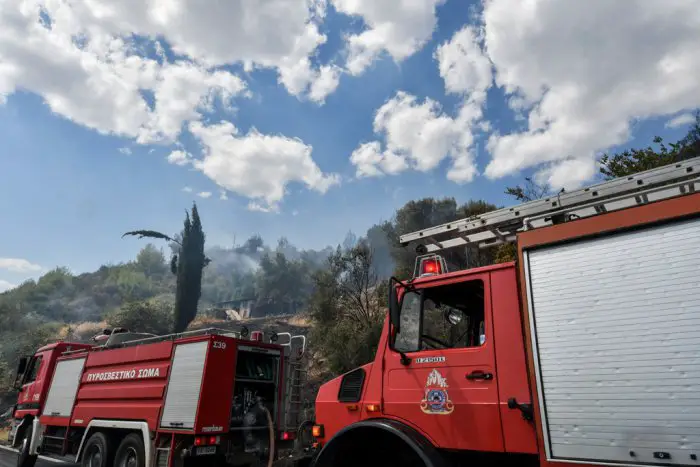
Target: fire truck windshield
{"x": 442, "y": 317}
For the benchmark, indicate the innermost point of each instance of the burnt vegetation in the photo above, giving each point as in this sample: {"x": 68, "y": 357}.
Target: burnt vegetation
{"x": 339, "y": 293}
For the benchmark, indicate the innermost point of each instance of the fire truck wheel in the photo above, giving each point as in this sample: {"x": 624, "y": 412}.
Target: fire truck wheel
{"x": 131, "y": 452}
{"x": 98, "y": 451}
{"x": 24, "y": 459}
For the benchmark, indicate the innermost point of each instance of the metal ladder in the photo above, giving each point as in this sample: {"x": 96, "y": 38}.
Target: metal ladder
{"x": 501, "y": 226}
{"x": 295, "y": 380}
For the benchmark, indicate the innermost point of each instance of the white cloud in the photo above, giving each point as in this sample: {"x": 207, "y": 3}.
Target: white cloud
{"x": 204, "y": 194}
{"x": 187, "y": 189}
{"x": 19, "y": 265}
{"x": 419, "y": 136}
{"x": 86, "y": 72}
{"x": 223, "y": 196}
{"x": 126, "y": 151}
{"x": 463, "y": 65}
{"x": 576, "y": 73}
{"x": 681, "y": 120}
{"x": 399, "y": 27}
{"x": 5, "y": 286}
{"x": 179, "y": 157}
{"x": 325, "y": 82}
{"x": 371, "y": 161}
{"x": 89, "y": 65}
{"x": 255, "y": 165}
{"x": 582, "y": 71}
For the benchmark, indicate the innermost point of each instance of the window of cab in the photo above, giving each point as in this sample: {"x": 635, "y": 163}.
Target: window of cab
{"x": 444, "y": 317}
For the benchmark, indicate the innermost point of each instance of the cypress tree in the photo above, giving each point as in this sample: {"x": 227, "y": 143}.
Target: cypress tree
{"x": 187, "y": 265}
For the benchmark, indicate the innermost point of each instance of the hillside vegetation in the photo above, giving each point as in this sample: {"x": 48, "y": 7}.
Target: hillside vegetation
{"x": 339, "y": 292}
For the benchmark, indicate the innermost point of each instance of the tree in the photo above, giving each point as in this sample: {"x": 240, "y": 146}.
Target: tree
{"x": 429, "y": 212}
{"x": 280, "y": 280}
{"x": 530, "y": 191}
{"x": 151, "y": 261}
{"x": 152, "y": 316}
{"x": 632, "y": 161}
{"x": 347, "y": 309}
{"x": 187, "y": 264}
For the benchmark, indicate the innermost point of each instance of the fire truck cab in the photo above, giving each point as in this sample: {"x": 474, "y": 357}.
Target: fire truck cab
{"x": 583, "y": 351}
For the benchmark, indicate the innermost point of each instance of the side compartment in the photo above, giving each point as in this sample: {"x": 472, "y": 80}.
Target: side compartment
{"x": 64, "y": 387}
{"x": 615, "y": 328}
{"x": 182, "y": 397}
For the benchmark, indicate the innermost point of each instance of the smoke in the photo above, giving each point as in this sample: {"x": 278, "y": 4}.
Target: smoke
{"x": 226, "y": 260}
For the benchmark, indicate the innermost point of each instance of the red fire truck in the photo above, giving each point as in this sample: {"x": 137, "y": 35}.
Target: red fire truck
{"x": 583, "y": 351}
{"x": 136, "y": 400}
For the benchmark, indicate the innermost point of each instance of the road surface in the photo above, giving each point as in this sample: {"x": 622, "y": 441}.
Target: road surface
{"x": 9, "y": 459}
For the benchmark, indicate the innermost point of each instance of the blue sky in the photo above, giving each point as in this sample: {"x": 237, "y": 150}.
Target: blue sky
{"x": 76, "y": 172}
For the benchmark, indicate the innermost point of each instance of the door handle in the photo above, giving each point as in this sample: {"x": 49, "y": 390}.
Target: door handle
{"x": 478, "y": 374}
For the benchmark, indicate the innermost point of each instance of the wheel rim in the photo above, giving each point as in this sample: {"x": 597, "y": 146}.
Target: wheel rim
{"x": 95, "y": 457}
{"x": 130, "y": 458}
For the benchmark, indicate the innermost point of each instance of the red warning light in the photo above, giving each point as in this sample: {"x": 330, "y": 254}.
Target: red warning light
{"x": 430, "y": 266}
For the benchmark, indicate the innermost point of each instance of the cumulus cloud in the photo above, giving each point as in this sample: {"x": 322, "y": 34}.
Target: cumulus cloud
{"x": 86, "y": 65}
{"x": 419, "y": 135}
{"x": 680, "y": 120}
{"x": 399, "y": 27}
{"x": 581, "y": 72}
{"x": 256, "y": 165}
{"x": 19, "y": 265}
{"x": 179, "y": 157}
{"x": 575, "y": 73}
{"x": 103, "y": 65}
{"x": 204, "y": 194}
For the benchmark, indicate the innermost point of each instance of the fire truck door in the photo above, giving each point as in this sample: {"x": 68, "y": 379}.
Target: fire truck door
{"x": 446, "y": 385}
{"x": 32, "y": 383}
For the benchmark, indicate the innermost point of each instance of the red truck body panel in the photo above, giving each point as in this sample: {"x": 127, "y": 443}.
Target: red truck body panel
{"x": 124, "y": 384}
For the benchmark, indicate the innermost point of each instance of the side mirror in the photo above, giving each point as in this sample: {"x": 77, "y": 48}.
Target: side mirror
{"x": 21, "y": 368}
{"x": 394, "y": 306}
{"x": 22, "y": 365}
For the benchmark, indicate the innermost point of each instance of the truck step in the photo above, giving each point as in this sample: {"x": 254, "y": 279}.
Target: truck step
{"x": 162, "y": 457}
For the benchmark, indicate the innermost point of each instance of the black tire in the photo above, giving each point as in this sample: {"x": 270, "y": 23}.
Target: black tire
{"x": 98, "y": 451}
{"x": 131, "y": 452}
{"x": 23, "y": 458}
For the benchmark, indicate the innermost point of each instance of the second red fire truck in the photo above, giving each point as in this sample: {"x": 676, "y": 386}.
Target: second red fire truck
{"x": 208, "y": 397}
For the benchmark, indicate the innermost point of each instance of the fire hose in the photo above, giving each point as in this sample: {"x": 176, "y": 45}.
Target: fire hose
{"x": 271, "y": 429}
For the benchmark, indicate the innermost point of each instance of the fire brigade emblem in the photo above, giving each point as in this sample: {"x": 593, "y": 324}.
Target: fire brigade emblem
{"x": 436, "y": 400}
